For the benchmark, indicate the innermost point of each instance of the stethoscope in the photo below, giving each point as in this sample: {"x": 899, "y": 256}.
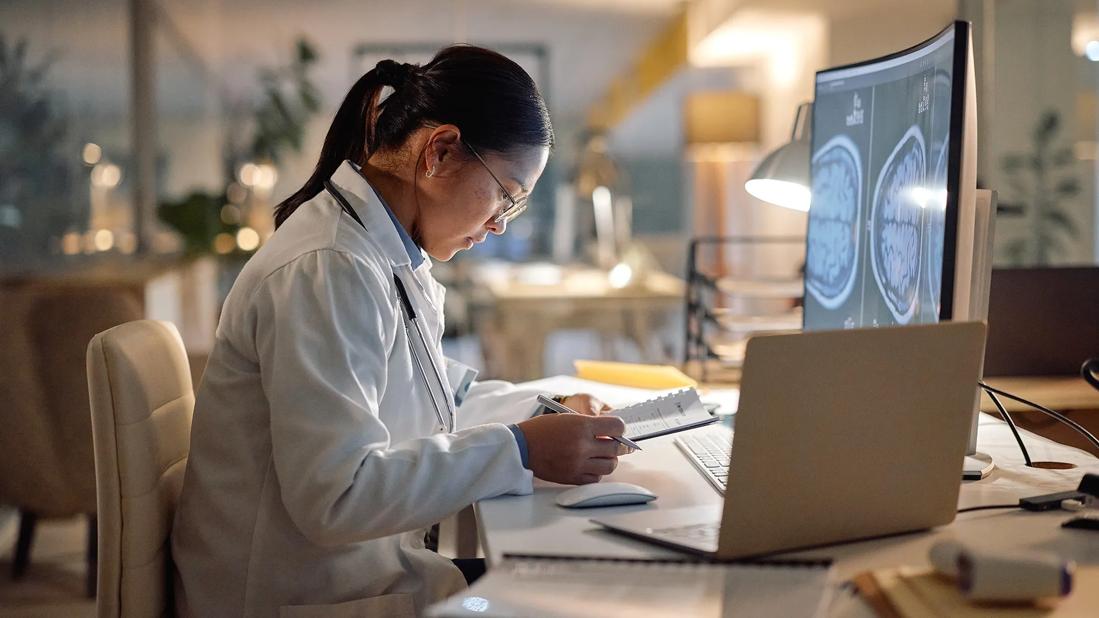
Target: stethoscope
{"x": 411, "y": 323}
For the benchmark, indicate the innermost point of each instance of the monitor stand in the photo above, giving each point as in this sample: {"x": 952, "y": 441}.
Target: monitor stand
{"x": 977, "y": 466}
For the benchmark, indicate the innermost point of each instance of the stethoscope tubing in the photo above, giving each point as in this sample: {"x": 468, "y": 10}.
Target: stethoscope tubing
{"x": 410, "y": 323}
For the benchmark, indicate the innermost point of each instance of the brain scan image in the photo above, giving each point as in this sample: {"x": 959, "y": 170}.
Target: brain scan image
{"x": 834, "y": 218}
{"x": 896, "y": 217}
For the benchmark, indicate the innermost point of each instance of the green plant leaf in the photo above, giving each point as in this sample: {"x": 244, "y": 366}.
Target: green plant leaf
{"x": 1047, "y": 127}
{"x": 1058, "y": 219}
{"x": 1011, "y": 163}
{"x": 1068, "y": 187}
{"x": 306, "y": 53}
{"x": 1063, "y": 156}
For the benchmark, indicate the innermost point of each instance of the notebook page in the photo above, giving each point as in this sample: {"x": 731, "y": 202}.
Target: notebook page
{"x": 582, "y": 587}
{"x": 661, "y": 414}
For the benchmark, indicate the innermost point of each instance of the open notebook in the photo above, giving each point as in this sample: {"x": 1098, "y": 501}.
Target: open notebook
{"x": 665, "y": 414}
{"x": 569, "y": 586}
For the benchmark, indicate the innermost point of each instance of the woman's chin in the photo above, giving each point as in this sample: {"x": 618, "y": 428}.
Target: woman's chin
{"x": 443, "y": 254}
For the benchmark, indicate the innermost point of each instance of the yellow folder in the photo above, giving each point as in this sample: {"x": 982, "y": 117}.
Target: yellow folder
{"x": 631, "y": 374}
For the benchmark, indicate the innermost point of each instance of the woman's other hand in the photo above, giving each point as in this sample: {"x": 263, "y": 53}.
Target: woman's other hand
{"x": 586, "y": 404}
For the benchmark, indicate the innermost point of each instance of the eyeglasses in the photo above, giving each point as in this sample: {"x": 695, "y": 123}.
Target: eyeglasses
{"x": 515, "y": 207}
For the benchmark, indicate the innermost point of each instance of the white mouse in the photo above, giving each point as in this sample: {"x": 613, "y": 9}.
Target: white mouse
{"x": 604, "y": 494}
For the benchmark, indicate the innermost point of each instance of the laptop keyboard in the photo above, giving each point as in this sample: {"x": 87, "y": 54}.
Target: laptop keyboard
{"x": 709, "y": 452}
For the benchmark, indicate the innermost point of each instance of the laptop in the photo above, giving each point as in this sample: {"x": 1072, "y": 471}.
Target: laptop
{"x": 840, "y": 436}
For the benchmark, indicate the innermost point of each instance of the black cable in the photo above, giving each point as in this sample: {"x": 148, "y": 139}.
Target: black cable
{"x": 988, "y": 507}
{"x": 1057, "y": 415}
{"x": 1011, "y": 424}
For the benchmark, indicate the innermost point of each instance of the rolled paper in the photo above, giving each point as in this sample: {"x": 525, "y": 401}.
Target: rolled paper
{"x": 944, "y": 557}
{"x": 997, "y": 576}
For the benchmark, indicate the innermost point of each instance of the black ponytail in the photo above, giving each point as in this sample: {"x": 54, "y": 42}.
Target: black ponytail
{"x": 488, "y": 96}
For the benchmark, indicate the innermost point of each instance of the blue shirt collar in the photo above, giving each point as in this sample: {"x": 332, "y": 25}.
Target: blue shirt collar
{"x": 415, "y": 255}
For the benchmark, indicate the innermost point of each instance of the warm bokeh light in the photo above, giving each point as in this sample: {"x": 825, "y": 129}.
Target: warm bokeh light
{"x": 106, "y": 175}
{"x": 261, "y": 175}
{"x": 104, "y": 240}
{"x": 236, "y": 193}
{"x": 224, "y": 243}
{"x": 92, "y": 153}
{"x": 230, "y": 214}
{"x": 70, "y": 243}
{"x": 247, "y": 239}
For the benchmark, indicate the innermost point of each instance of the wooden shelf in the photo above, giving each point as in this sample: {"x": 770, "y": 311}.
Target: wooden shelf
{"x": 761, "y": 288}
{"x": 737, "y": 322}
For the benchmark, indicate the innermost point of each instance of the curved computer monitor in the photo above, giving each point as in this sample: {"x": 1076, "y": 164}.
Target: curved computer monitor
{"x": 898, "y": 233}
{"x": 893, "y": 175}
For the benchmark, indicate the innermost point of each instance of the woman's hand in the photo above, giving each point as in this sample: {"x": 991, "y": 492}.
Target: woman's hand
{"x": 586, "y": 404}
{"x": 571, "y": 448}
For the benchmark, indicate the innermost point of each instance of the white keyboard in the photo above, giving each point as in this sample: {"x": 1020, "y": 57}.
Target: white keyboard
{"x": 709, "y": 451}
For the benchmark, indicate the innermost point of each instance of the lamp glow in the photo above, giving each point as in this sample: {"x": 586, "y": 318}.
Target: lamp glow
{"x": 782, "y": 177}
{"x": 780, "y": 193}
{"x": 1092, "y": 51}
{"x": 620, "y": 276}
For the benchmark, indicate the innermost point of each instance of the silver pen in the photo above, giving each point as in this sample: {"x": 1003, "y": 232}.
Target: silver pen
{"x": 556, "y": 407}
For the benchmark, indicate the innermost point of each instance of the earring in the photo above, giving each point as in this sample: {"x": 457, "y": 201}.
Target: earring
{"x": 430, "y": 172}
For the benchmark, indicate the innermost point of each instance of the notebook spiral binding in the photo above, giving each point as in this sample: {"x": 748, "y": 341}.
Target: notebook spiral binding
{"x": 757, "y": 562}
{"x": 649, "y": 402}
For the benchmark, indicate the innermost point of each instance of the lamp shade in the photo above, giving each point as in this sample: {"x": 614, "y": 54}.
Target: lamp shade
{"x": 782, "y": 178}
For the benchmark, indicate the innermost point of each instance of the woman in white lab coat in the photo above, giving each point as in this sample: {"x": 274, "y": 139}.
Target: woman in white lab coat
{"x": 326, "y": 437}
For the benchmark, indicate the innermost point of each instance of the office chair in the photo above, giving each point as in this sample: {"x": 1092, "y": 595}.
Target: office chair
{"x": 141, "y": 402}
{"x": 46, "y": 435}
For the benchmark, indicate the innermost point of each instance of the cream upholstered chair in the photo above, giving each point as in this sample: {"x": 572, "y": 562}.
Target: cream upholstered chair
{"x": 141, "y": 401}
{"x": 45, "y": 425}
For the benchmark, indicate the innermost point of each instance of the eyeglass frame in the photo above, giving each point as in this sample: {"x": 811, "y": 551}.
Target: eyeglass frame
{"x": 518, "y": 206}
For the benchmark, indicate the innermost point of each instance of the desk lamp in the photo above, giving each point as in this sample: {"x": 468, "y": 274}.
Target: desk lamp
{"x": 782, "y": 178}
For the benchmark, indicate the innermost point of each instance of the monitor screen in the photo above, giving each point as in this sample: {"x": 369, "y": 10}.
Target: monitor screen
{"x": 879, "y": 171}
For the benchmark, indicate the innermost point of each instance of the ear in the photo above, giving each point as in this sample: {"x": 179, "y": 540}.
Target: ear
{"x": 442, "y": 151}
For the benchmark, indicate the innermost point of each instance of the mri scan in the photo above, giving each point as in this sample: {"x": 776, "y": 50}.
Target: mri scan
{"x": 837, "y": 204}
{"x": 896, "y": 233}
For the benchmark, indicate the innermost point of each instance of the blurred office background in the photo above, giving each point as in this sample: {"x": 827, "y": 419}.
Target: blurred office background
{"x": 144, "y": 142}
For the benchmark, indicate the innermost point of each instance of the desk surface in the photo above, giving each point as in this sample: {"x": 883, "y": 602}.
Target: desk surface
{"x": 534, "y": 524}
{"x": 1061, "y": 393}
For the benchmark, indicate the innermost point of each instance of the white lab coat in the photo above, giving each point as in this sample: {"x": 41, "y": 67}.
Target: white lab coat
{"x": 317, "y": 461}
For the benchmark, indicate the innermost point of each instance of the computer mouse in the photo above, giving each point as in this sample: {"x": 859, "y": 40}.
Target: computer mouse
{"x": 604, "y": 494}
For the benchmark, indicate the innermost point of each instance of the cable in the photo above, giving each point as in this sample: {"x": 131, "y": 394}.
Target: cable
{"x": 1011, "y": 424}
{"x": 1057, "y": 415}
{"x": 986, "y": 507}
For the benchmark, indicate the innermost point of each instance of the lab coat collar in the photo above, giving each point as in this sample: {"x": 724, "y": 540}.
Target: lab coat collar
{"x": 374, "y": 214}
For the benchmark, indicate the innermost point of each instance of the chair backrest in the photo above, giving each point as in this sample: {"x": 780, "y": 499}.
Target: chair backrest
{"x": 44, "y": 387}
{"x": 141, "y": 402}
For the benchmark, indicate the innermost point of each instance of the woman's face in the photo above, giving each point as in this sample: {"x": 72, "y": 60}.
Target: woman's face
{"x": 458, "y": 197}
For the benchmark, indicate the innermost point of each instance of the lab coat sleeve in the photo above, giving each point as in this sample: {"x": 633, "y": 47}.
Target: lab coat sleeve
{"x": 497, "y": 401}
{"x": 324, "y": 330}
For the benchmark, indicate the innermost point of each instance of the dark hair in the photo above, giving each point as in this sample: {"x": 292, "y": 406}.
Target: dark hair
{"x": 488, "y": 96}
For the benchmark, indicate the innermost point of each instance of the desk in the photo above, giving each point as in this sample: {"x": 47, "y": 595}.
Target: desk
{"x": 534, "y": 524}
{"x": 1069, "y": 395}
{"x": 518, "y": 307}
